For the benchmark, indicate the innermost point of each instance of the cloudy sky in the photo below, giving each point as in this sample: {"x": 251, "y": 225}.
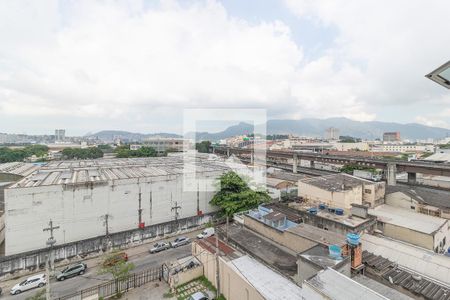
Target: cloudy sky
{"x": 135, "y": 65}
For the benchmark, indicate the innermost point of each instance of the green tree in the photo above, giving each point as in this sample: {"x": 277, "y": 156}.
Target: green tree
{"x": 86, "y": 153}
{"x": 234, "y": 195}
{"x": 125, "y": 152}
{"x": 114, "y": 264}
{"x": 351, "y": 167}
{"x": 203, "y": 146}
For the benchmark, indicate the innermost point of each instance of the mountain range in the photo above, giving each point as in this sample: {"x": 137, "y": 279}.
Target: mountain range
{"x": 304, "y": 127}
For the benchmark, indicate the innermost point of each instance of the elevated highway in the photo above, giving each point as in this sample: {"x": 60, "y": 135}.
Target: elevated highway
{"x": 391, "y": 166}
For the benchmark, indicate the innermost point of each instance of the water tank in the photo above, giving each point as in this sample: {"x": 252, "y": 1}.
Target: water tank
{"x": 353, "y": 239}
{"x": 335, "y": 251}
{"x": 322, "y": 206}
{"x": 313, "y": 211}
{"x": 331, "y": 210}
{"x": 339, "y": 211}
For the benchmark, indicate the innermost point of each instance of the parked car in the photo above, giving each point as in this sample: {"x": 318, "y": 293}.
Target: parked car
{"x": 111, "y": 261}
{"x": 200, "y": 296}
{"x": 160, "y": 246}
{"x": 28, "y": 284}
{"x": 206, "y": 233}
{"x": 179, "y": 241}
{"x": 71, "y": 271}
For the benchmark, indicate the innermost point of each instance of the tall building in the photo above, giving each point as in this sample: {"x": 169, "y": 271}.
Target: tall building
{"x": 60, "y": 135}
{"x": 332, "y": 133}
{"x": 391, "y": 136}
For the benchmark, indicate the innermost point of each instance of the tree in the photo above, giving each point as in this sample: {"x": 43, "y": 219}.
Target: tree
{"x": 86, "y": 153}
{"x": 117, "y": 266}
{"x": 125, "y": 152}
{"x": 349, "y": 168}
{"x": 234, "y": 195}
{"x": 203, "y": 146}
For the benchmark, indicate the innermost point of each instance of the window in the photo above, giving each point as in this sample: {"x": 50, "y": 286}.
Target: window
{"x": 368, "y": 191}
{"x": 413, "y": 207}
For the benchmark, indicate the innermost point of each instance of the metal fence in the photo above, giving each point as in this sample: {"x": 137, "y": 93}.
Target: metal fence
{"x": 116, "y": 286}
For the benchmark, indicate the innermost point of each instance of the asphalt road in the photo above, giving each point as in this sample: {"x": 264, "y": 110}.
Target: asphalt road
{"x": 141, "y": 259}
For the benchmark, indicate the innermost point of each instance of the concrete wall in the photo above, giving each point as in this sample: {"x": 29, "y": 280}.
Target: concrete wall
{"x": 284, "y": 238}
{"x": 341, "y": 199}
{"x": 232, "y": 285}
{"x": 185, "y": 276}
{"x": 399, "y": 199}
{"x": 79, "y": 210}
{"x": 409, "y": 236}
{"x": 373, "y": 193}
{"x": 33, "y": 260}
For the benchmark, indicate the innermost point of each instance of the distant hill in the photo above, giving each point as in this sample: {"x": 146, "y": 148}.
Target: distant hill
{"x": 304, "y": 127}
{"x": 110, "y": 135}
{"x": 316, "y": 128}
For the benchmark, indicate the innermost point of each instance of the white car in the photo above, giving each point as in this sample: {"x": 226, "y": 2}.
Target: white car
{"x": 206, "y": 233}
{"x": 179, "y": 241}
{"x": 28, "y": 284}
{"x": 160, "y": 246}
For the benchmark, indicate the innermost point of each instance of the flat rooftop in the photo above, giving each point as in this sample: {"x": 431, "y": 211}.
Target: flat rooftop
{"x": 337, "y": 286}
{"x": 404, "y": 218}
{"x": 75, "y": 172}
{"x": 336, "y": 182}
{"x": 315, "y": 234}
{"x": 271, "y": 285}
{"x": 380, "y": 288}
{"x": 345, "y": 219}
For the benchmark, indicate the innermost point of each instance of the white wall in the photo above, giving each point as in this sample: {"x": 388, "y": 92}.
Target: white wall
{"x": 79, "y": 210}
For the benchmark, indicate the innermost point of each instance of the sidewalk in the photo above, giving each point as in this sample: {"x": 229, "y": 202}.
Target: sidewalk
{"x": 93, "y": 261}
{"x": 151, "y": 291}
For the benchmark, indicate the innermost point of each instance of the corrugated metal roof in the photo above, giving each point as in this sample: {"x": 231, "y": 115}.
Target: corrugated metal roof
{"x": 405, "y": 218}
{"x": 103, "y": 170}
{"x": 414, "y": 258}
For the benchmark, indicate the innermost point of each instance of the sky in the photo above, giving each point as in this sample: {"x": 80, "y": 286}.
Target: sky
{"x": 136, "y": 65}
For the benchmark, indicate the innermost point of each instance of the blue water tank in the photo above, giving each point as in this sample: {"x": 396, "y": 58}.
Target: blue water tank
{"x": 313, "y": 211}
{"x": 339, "y": 211}
{"x": 335, "y": 251}
{"x": 322, "y": 206}
{"x": 353, "y": 239}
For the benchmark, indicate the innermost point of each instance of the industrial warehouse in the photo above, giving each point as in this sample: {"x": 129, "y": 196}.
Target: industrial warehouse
{"x": 92, "y": 198}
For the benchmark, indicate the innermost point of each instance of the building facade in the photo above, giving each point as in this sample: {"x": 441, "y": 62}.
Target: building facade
{"x": 93, "y": 198}
{"x": 391, "y": 136}
{"x": 162, "y": 145}
{"x": 341, "y": 191}
{"x": 332, "y": 133}
{"x": 60, "y": 135}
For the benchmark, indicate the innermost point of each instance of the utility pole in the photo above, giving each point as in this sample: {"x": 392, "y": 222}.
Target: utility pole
{"x": 140, "y": 207}
{"x": 175, "y": 208}
{"x": 50, "y": 242}
{"x": 217, "y": 263}
{"x": 105, "y": 219}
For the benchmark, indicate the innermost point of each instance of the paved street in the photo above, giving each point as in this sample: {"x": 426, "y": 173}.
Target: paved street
{"x": 137, "y": 255}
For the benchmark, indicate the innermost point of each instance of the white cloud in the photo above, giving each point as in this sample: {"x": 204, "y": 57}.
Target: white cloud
{"x": 392, "y": 44}
{"x": 119, "y": 59}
